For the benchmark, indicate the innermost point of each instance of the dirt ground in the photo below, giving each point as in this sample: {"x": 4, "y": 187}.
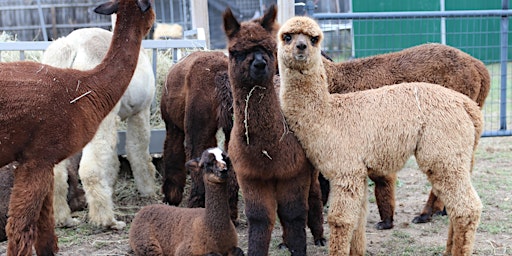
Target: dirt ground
{"x": 491, "y": 177}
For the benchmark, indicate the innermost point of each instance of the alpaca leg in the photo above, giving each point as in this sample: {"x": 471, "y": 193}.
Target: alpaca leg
{"x": 385, "y": 198}
{"x": 60, "y": 203}
{"x": 315, "y": 212}
{"x": 292, "y": 212}
{"x": 98, "y": 171}
{"x": 346, "y": 205}
{"x": 174, "y": 177}
{"x": 358, "y": 243}
{"x": 260, "y": 208}
{"x": 46, "y": 241}
{"x": 23, "y": 226}
{"x": 463, "y": 206}
{"x": 324, "y": 187}
{"x": 137, "y": 152}
{"x": 432, "y": 207}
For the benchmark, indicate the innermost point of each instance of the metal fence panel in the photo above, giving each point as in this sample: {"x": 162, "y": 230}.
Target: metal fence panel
{"x": 484, "y": 34}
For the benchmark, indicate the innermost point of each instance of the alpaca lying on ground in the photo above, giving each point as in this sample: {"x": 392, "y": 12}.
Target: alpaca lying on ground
{"x": 169, "y": 230}
{"x": 83, "y": 49}
{"x": 432, "y": 63}
{"x": 272, "y": 169}
{"x": 75, "y": 199}
{"x": 354, "y": 135}
{"x": 48, "y": 114}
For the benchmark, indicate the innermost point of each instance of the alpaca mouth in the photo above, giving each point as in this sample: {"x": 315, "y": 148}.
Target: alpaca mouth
{"x": 217, "y": 179}
{"x": 300, "y": 57}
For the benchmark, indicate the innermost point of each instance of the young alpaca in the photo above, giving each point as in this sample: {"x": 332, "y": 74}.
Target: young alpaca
{"x": 432, "y": 63}
{"x": 350, "y": 136}
{"x": 49, "y": 114}
{"x": 83, "y": 49}
{"x": 272, "y": 169}
{"x": 169, "y": 230}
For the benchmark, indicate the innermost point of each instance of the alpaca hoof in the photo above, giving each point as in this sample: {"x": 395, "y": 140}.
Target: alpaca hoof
{"x": 237, "y": 252}
{"x": 282, "y": 246}
{"x": 320, "y": 242}
{"x": 423, "y": 218}
{"x": 117, "y": 225}
{"x": 69, "y": 223}
{"x": 383, "y": 225}
{"x": 440, "y": 213}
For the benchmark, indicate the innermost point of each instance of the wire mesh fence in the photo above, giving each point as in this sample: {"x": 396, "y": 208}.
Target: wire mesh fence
{"x": 482, "y": 34}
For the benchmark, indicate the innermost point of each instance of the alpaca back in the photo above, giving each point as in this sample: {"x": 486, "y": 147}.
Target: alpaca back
{"x": 431, "y": 63}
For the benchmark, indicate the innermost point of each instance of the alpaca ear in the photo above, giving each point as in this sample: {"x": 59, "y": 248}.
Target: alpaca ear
{"x": 231, "y": 25}
{"x": 107, "y": 8}
{"x": 269, "y": 18}
{"x": 193, "y": 165}
{"x": 144, "y": 5}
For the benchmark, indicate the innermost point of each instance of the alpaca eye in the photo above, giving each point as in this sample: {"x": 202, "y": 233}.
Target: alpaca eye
{"x": 287, "y": 38}
{"x": 314, "y": 40}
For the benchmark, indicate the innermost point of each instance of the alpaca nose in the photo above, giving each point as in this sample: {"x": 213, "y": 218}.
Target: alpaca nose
{"x": 259, "y": 62}
{"x": 301, "y": 46}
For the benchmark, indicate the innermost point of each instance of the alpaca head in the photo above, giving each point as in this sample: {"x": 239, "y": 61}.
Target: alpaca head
{"x": 252, "y": 47}
{"x": 145, "y": 7}
{"x": 299, "y": 43}
{"x": 214, "y": 164}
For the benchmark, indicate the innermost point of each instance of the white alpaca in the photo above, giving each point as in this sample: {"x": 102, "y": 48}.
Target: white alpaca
{"x": 83, "y": 49}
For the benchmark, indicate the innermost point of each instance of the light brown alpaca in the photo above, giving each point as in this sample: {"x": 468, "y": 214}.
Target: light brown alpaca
{"x": 431, "y": 63}
{"x": 353, "y": 135}
{"x": 48, "y": 114}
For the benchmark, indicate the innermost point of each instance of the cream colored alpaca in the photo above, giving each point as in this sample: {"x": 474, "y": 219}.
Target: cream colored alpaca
{"x": 83, "y": 49}
{"x": 349, "y": 136}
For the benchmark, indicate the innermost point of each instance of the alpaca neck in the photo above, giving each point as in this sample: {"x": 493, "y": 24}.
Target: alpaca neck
{"x": 217, "y": 207}
{"x": 258, "y": 118}
{"x": 112, "y": 76}
{"x": 304, "y": 91}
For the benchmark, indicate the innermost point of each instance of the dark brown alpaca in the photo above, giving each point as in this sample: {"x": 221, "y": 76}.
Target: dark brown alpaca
{"x": 168, "y": 230}
{"x": 432, "y": 63}
{"x": 196, "y": 107}
{"x": 48, "y": 114}
{"x": 272, "y": 169}
{"x": 196, "y": 86}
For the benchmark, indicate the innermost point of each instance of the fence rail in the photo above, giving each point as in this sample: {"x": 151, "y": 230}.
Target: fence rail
{"x": 157, "y": 135}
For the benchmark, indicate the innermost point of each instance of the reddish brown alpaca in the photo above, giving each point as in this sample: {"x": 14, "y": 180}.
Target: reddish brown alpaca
{"x": 432, "y": 63}
{"x": 272, "y": 169}
{"x": 48, "y": 114}
{"x": 75, "y": 199}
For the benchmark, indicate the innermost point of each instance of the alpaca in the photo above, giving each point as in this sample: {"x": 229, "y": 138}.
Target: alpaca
{"x": 185, "y": 105}
{"x": 272, "y": 169}
{"x": 49, "y": 114}
{"x": 432, "y": 63}
{"x": 351, "y": 136}
{"x": 75, "y": 199}
{"x": 169, "y": 230}
{"x": 83, "y": 49}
